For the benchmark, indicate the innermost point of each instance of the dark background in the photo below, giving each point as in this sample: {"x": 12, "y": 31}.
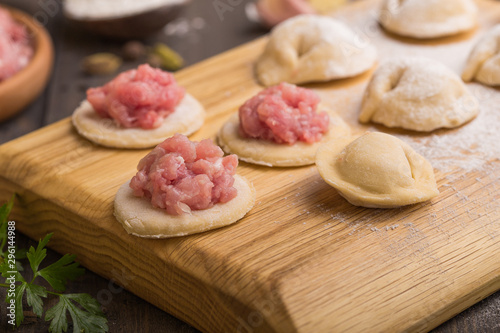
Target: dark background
{"x": 198, "y": 34}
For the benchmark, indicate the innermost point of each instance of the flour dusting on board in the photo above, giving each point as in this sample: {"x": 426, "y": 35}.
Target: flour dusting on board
{"x": 465, "y": 159}
{"x": 469, "y": 147}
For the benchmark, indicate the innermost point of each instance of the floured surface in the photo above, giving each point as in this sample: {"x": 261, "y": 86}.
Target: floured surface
{"x": 456, "y": 154}
{"x": 303, "y": 259}
{"x": 465, "y": 148}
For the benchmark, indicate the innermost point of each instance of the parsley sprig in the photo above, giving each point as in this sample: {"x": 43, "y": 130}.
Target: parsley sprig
{"x": 84, "y": 311}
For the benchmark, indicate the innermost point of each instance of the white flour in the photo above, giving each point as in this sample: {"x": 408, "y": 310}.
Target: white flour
{"x": 98, "y": 9}
{"x": 469, "y": 147}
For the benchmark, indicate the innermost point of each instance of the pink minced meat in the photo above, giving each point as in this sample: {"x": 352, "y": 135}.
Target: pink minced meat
{"x": 285, "y": 114}
{"x": 179, "y": 175}
{"x": 15, "y": 47}
{"x": 141, "y": 97}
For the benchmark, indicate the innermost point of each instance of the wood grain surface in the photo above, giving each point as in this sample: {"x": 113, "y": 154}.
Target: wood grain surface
{"x": 302, "y": 260}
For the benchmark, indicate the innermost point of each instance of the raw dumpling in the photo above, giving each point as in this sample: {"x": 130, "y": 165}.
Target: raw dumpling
{"x": 428, "y": 18}
{"x": 417, "y": 94}
{"x": 483, "y": 64}
{"x": 310, "y": 48}
{"x": 376, "y": 170}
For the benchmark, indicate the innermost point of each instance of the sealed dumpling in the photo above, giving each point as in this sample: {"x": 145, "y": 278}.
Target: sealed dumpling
{"x": 376, "y": 170}
{"x": 428, "y": 18}
{"x": 310, "y": 48}
{"x": 418, "y": 94}
{"x": 483, "y": 64}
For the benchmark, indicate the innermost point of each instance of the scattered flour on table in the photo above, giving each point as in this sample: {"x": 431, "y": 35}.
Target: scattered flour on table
{"x": 183, "y": 26}
{"x": 464, "y": 158}
{"x": 469, "y": 147}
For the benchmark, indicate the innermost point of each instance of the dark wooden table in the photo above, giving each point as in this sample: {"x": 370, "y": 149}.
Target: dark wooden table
{"x": 199, "y": 33}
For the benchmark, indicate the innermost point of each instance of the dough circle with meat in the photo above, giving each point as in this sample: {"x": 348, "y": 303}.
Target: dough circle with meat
{"x": 269, "y": 153}
{"x": 140, "y": 218}
{"x": 187, "y": 118}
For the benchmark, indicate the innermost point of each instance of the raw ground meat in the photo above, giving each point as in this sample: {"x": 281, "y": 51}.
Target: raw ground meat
{"x": 141, "y": 97}
{"x": 179, "y": 175}
{"x": 285, "y": 114}
{"x": 15, "y": 47}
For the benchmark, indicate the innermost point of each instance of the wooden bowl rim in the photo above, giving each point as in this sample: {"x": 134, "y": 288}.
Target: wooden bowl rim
{"x": 70, "y": 16}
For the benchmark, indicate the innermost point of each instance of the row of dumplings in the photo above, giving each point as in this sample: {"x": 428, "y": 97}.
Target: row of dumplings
{"x": 311, "y": 48}
{"x": 414, "y": 93}
{"x": 373, "y": 170}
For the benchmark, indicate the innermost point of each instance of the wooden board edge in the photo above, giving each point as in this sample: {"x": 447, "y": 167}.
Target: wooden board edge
{"x": 459, "y": 305}
{"x": 36, "y": 216}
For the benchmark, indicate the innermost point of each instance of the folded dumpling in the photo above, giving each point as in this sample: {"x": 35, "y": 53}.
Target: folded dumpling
{"x": 428, "y": 18}
{"x": 376, "y": 170}
{"x": 418, "y": 94}
{"x": 309, "y": 48}
{"x": 483, "y": 64}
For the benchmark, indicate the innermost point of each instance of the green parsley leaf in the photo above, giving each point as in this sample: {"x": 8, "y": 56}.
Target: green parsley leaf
{"x": 85, "y": 312}
{"x": 57, "y": 315}
{"x": 35, "y": 257}
{"x": 33, "y": 296}
{"x": 21, "y": 253}
{"x": 18, "y": 301}
{"x": 5, "y": 270}
{"x": 61, "y": 271}
{"x": 89, "y": 319}
{"x": 4, "y": 214}
{"x": 6, "y": 209}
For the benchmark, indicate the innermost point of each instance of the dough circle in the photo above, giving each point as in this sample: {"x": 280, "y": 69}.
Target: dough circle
{"x": 187, "y": 118}
{"x": 428, "y": 18}
{"x": 417, "y": 94}
{"x": 312, "y": 48}
{"x": 140, "y": 218}
{"x": 376, "y": 170}
{"x": 270, "y": 153}
{"x": 483, "y": 63}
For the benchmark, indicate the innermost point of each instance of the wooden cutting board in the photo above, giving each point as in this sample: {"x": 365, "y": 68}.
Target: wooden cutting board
{"x": 303, "y": 259}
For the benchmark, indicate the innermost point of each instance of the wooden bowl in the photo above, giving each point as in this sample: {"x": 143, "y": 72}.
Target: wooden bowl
{"x": 19, "y": 90}
{"x": 135, "y": 26}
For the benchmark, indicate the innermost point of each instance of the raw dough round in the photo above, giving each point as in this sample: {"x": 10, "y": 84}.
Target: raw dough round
{"x": 483, "y": 64}
{"x": 140, "y": 218}
{"x": 418, "y": 94}
{"x": 309, "y": 48}
{"x": 428, "y": 18}
{"x": 187, "y": 118}
{"x": 270, "y": 153}
{"x": 376, "y": 170}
